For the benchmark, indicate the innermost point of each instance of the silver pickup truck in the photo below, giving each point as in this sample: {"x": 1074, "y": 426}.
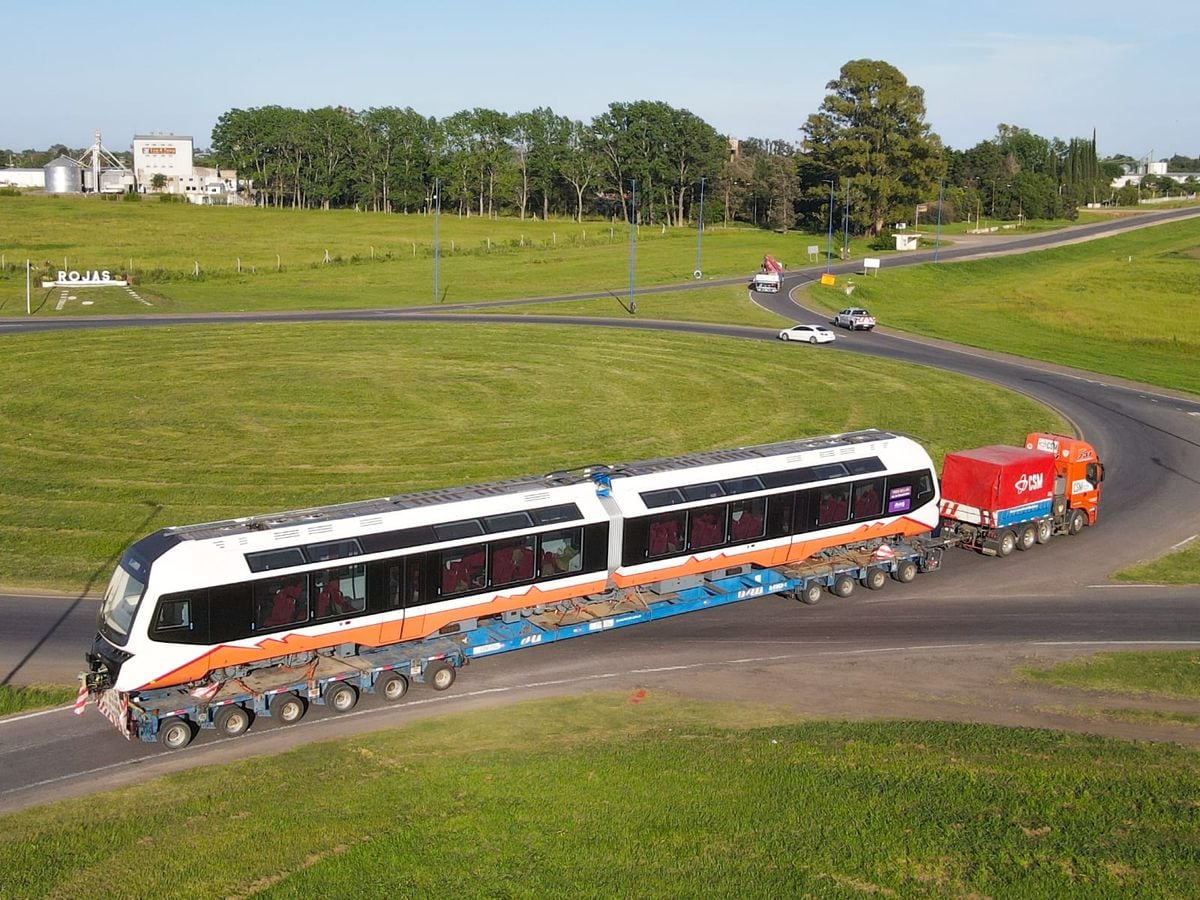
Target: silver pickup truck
{"x": 855, "y": 318}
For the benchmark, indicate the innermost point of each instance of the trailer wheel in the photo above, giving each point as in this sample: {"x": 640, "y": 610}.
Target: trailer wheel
{"x": 287, "y": 708}
{"x": 175, "y": 733}
{"x": 1078, "y": 521}
{"x": 1008, "y": 543}
{"x": 1045, "y": 529}
{"x": 810, "y": 594}
{"x": 1026, "y": 537}
{"x": 875, "y": 578}
{"x": 440, "y": 675}
{"x": 341, "y": 696}
{"x": 906, "y": 571}
{"x": 843, "y": 586}
{"x": 391, "y": 686}
{"x": 232, "y": 720}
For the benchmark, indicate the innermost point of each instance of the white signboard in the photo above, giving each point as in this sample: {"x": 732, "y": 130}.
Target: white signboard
{"x": 870, "y": 263}
{"x": 93, "y": 278}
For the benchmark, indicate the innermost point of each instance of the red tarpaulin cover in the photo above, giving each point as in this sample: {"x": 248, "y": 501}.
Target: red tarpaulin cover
{"x": 997, "y": 477}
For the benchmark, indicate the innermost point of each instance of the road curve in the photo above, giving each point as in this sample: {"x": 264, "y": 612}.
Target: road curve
{"x": 976, "y": 611}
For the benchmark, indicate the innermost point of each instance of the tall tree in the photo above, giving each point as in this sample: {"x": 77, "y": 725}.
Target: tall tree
{"x": 872, "y": 128}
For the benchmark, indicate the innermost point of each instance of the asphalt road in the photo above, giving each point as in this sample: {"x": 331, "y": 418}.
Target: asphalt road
{"x": 1053, "y": 596}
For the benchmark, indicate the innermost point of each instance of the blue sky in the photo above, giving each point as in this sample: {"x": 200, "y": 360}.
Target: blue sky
{"x": 751, "y": 68}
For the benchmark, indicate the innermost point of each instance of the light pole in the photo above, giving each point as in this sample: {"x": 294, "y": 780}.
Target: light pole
{"x": 632, "y": 242}
{"x": 829, "y": 243}
{"x": 437, "y": 208}
{"x": 937, "y": 243}
{"x": 846, "y": 224}
{"x": 700, "y": 232}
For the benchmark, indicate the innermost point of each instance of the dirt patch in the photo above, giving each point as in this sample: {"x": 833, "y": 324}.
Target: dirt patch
{"x": 973, "y": 684}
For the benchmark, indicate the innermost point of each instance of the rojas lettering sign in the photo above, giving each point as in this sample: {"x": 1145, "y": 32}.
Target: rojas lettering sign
{"x": 86, "y": 278}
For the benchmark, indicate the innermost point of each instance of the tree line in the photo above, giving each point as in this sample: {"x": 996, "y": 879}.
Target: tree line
{"x": 866, "y": 158}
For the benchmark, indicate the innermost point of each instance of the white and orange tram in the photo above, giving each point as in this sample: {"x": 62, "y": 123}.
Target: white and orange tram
{"x": 201, "y": 603}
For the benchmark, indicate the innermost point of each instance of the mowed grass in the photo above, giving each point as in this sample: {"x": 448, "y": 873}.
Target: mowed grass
{"x": 109, "y": 435}
{"x": 1179, "y": 567}
{"x": 1127, "y": 305}
{"x": 375, "y": 260}
{"x": 35, "y": 696}
{"x": 596, "y": 796}
{"x": 1173, "y": 674}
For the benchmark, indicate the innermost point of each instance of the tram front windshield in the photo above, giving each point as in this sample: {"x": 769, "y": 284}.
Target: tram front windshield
{"x": 121, "y": 600}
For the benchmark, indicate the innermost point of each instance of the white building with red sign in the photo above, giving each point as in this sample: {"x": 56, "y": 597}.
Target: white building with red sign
{"x": 161, "y": 154}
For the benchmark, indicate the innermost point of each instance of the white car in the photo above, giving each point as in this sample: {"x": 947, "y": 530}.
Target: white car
{"x": 813, "y": 334}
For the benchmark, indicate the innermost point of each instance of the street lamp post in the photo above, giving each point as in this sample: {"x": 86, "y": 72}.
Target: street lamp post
{"x": 632, "y": 241}
{"x": 846, "y": 224}
{"x": 829, "y": 243}
{"x": 437, "y": 208}
{"x": 937, "y": 243}
{"x": 700, "y": 232}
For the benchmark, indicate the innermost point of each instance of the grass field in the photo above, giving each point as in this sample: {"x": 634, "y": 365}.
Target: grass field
{"x": 1165, "y": 674}
{"x": 597, "y": 796}
{"x": 1179, "y": 567}
{"x": 375, "y": 260}
{"x": 35, "y": 696}
{"x": 1127, "y": 306}
{"x": 268, "y": 259}
{"x": 110, "y": 435}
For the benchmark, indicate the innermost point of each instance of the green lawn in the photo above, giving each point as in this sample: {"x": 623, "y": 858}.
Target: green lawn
{"x": 375, "y": 260}
{"x": 1163, "y": 674}
{"x": 597, "y": 796}
{"x": 1179, "y": 567}
{"x": 19, "y": 699}
{"x": 1127, "y": 305}
{"x": 109, "y": 435}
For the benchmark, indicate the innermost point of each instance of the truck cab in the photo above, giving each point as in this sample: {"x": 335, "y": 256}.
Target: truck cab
{"x": 1078, "y": 474}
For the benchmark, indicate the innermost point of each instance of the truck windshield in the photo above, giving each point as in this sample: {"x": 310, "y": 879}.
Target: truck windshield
{"x": 121, "y": 602}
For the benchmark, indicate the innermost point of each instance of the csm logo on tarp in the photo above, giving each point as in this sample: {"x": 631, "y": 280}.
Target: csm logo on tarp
{"x": 1030, "y": 483}
{"x": 86, "y": 278}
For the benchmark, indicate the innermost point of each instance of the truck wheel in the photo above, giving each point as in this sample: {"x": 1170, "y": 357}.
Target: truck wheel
{"x": 391, "y": 686}
{"x": 175, "y": 733}
{"x": 341, "y": 696}
{"x": 810, "y": 594}
{"x": 875, "y": 579}
{"x": 906, "y": 571}
{"x": 1026, "y": 537}
{"x": 1045, "y": 528}
{"x": 287, "y": 708}
{"x": 1078, "y": 521}
{"x": 843, "y": 586}
{"x": 440, "y": 675}
{"x": 1008, "y": 543}
{"x": 232, "y": 720}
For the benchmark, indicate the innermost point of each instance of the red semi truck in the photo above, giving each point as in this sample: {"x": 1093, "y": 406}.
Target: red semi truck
{"x": 998, "y": 499}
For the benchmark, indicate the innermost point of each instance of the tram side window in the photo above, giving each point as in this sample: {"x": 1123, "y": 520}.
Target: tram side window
{"x": 909, "y": 491}
{"x": 340, "y": 592}
{"x": 512, "y": 560}
{"x": 464, "y": 569}
{"x": 560, "y": 552}
{"x": 666, "y": 534}
{"x": 182, "y": 618}
{"x": 833, "y": 504}
{"x": 706, "y": 527}
{"x": 280, "y": 601}
{"x": 747, "y": 519}
{"x": 868, "y": 499}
